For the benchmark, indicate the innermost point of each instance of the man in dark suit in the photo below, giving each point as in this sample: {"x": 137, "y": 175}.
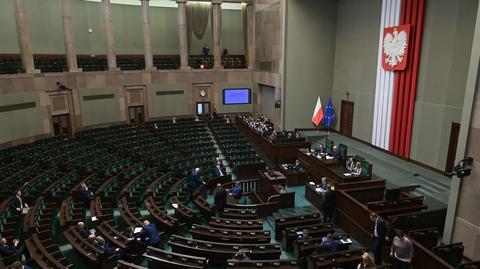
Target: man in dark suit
{"x": 219, "y": 200}
{"x": 150, "y": 234}
{"x": 329, "y": 245}
{"x": 101, "y": 244}
{"x": 82, "y": 230}
{"x": 85, "y": 192}
{"x": 380, "y": 235}
{"x": 328, "y": 205}
{"x": 195, "y": 179}
{"x": 16, "y": 249}
{"x": 335, "y": 154}
{"x": 220, "y": 170}
{"x": 17, "y": 203}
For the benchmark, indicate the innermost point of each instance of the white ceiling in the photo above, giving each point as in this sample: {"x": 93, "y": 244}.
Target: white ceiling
{"x": 163, "y": 3}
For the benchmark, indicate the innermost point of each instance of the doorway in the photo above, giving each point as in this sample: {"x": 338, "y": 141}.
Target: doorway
{"x": 452, "y": 147}
{"x": 346, "y": 118}
{"x": 136, "y": 114}
{"x": 203, "y": 109}
{"x": 62, "y": 125}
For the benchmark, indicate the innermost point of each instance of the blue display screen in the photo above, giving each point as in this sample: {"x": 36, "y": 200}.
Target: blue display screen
{"x": 236, "y": 96}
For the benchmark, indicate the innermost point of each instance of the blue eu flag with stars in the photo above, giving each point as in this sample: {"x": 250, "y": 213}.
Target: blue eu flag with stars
{"x": 329, "y": 115}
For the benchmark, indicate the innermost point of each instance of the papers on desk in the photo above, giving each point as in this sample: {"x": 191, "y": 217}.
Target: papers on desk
{"x": 137, "y": 230}
{"x": 329, "y": 157}
{"x": 175, "y": 206}
{"x": 311, "y": 183}
{"x": 347, "y": 174}
{"x": 299, "y": 233}
{"x": 346, "y": 241}
{"x": 319, "y": 190}
{"x": 308, "y": 153}
{"x": 94, "y": 218}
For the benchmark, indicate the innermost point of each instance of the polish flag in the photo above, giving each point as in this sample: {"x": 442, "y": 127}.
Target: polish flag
{"x": 317, "y": 113}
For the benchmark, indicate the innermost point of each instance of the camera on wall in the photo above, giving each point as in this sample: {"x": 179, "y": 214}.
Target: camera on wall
{"x": 463, "y": 168}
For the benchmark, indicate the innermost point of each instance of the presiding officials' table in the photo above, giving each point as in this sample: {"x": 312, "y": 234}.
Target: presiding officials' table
{"x": 335, "y": 170}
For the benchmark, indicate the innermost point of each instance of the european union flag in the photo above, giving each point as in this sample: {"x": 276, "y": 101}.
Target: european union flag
{"x": 329, "y": 116}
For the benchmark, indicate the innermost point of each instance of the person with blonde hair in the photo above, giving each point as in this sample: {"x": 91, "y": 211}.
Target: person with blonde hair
{"x": 367, "y": 262}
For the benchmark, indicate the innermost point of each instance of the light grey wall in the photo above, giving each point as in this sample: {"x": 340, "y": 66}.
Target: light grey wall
{"x": 268, "y": 100}
{"x": 101, "y": 111}
{"x": 447, "y": 40}
{"x": 23, "y": 122}
{"x": 169, "y": 105}
{"x": 356, "y": 49}
{"x": 309, "y": 58}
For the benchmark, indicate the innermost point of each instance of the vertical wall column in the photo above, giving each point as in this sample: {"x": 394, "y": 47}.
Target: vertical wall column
{"x": 147, "y": 38}
{"x": 70, "y": 49}
{"x": 250, "y": 35}
{"x": 182, "y": 33}
{"x": 217, "y": 33}
{"x": 23, "y": 34}
{"x": 107, "y": 20}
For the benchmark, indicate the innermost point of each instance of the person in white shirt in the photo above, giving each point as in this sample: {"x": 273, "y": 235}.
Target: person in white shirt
{"x": 18, "y": 203}
{"x": 358, "y": 169}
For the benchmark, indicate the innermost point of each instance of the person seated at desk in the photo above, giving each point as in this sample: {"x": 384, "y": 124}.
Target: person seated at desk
{"x": 358, "y": 169}
{"x": 350, "y": 164}
{"x": 328, "y": 245}
{"x": 82, "y": 230}
{"x": 303, "y": 234}
{"x": 149, "y": 234}
{"x": 16, "y": 249}
{"x": 174, "y": 120}
{"x": 101, "y": 244}
{"x": 236, "y": 191}
{"x": 242, "y": 255}
{"x": 324, "y": 185}
{"x": 85, "y": 192}
{"x": 298, "y": 166}
{"x": 18, "y": 204}
{"x": 320, "y": 150}
{"x": 335, "y": 154}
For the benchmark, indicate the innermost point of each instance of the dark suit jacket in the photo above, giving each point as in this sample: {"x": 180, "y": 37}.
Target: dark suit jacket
{"x": 7, "y": 250}
{"x": 86, "y": 193}
{"x": 150, "y": 231}
{"x": 195, "y": 181}
{"x": 329, "y": 200}
{"x": 382, "y": 228}
{"x": 217, "y": 172}
{"x": 220, "y": 198}
{"x": 83, "y": 232}
{"x": 336, "y": 154}
{"x": 15, "y": 203}
{"x": 330, "y": 246}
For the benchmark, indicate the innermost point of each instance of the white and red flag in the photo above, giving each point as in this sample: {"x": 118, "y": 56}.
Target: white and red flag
{"x": 318, "y": 113}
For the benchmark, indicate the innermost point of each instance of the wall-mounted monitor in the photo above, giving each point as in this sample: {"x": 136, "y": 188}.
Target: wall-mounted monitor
{"x": 241, "y": 96}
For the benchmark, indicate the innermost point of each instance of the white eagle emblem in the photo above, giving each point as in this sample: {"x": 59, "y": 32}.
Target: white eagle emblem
{"x": 394, "y": 47}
